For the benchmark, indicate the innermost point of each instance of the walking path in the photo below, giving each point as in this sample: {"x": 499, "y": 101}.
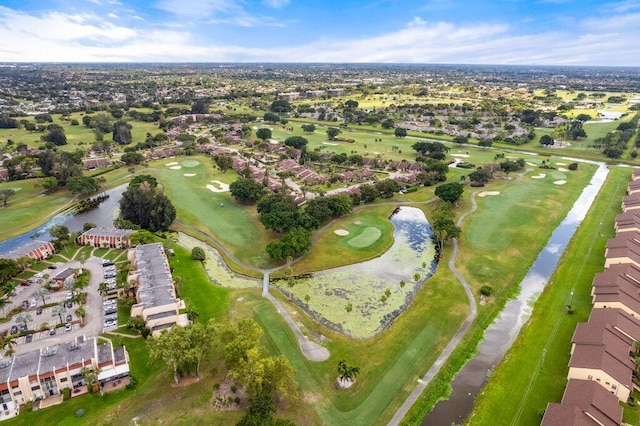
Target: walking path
{"x": 473, "y": 311}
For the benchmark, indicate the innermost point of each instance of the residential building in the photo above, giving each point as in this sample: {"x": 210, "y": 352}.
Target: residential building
{"x": 617, "y": 287}
{"x": 631, "y": 202}
{"x": 624, "y": 248}
{"x": 584, "y": 403}
{"x": 155, "y": 293}
{"x": 628, "y": 221}
{"x": 290, "y": 96}
{"x": 63, "y": 277}
{"x": 106, "y": 238}
{"x": 38, "y": 250}
{"x": 43, "y": 374}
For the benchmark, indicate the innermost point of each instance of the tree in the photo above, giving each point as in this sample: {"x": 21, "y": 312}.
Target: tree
{"x": 368, "y": 193}
{"x": 132, "y": 158}
{"x": 8, "y": 342}
{"x": 200, "y": 106}
{"x": 450, "y": 192}
{"x": 388, "y": 124}
{"x": 59, "y": 310}
{"x": 246, "y": 190}
{"x": 122, "y": 132}
{"x": 271, "y": 117}
{"x": 137, "y": 180}
{"x": 224, "y": 162}
{"x": 41, "y": 292}
{"x": 386, "y": 188}
{"x": 443, "y": 226}
{"x": 332, "y": 132}
{"x": 347, "y": 372}
{"x": 5, "y": 194}
{"x": 103, "y": 289}
{"x": 546, "y": 140}
{"x": 172, "y": 348}
{"x": 198, "y": 253}
{"x": 147, "y": 208}
{"x": 84, "y": 185}
{"x": 281, "y": 106}
{"x": 24, "y": 318}
{"x": 480, "y": 176}
{"x": 3, "y": 302}
{"x": 9, "y": 268}
{"x": 294, "y": 242}
{"x": 297, "y": 142}
{"x": 49, "y": 184}
{"x": 400, "y": 132}
{"x": 308, "y": 128}
{"x": 461, "y": 139}
{"x": 263, "y": 133}
{"x": 55, "y": 135}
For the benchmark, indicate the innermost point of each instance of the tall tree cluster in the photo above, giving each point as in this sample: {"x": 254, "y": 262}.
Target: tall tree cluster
{"x": 147, "y": 207}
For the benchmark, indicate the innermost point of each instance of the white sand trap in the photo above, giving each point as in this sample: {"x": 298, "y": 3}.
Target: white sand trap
{"x": 460, "y": 155}
{"x": 539, "y": 176}
{"x": 341, "y": 232}
{"x": 175, "y": 167}
{"x": 173, "y": 163}
{"x": 189, "y": 174}
{"x": 357, "y": 222}
{"x": 220, "y": 186}
{"x": 561, "y": 164}
{"x": 560, "y": 182}
{"x": 329, "y": 143}
{"x": 486, "y": 193}
{"x": 562, "y": 169}
{"x": 531, "y": 164}
{"x": 273, "y": 142}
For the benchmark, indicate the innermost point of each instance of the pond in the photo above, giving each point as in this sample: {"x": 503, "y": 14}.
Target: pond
{"x": 103, "y": 216}
{"x": 378, "y": 290}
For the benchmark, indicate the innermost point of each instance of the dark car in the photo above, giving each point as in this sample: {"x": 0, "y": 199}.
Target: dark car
{"x": 107, "y": 263}
{"x": 69, "y": 304}
{"x": 69, "y": 318}
{"x": 28, "y": 338}
{"x": 109, "y": 311}
{"x": 52, "y": 331}
{"x": 52, "y": 267}
{"x": 22, "y": 327}
{"x": 39, "y": 310}
{"x": 14, "y": 329}
{"x": 25, "y": 304}
{"x": 25, "y": 283}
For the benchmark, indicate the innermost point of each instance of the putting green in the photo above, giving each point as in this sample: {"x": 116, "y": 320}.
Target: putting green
{"x": 190, "y": 163}
{"x": 368, "y": 236}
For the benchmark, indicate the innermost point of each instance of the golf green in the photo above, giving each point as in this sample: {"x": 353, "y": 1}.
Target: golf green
{"x": 368, "y": 236}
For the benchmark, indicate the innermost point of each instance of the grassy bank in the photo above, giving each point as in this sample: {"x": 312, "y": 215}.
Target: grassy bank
{"x": 534, "y": 370}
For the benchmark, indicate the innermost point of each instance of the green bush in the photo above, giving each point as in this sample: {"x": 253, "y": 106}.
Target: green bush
{"x": 66, "y": 394}
{"x": 133, "y": 383}
{"x": 486, "y": 290}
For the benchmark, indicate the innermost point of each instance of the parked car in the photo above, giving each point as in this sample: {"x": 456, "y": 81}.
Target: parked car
{"x": 28, "y": 338}
{"x": 68, "y": 327}
{"x": 107, "y": 263}
{"x": 52, "y": 331}
{"x": 33, "y": 303}
{"x": 107, "y": 276}
{"x": 52, "y": 267}
{"x": 25, "y": 304}
{"x": 69, "y": 295}
{"x": 110, "y": 323}
{"x": 22, "y": 327}
{"x": 69, "y": 304}
{"x": 14, "y": 329}
{"x": 69, "y": 318}
{"x": 110, "y": 311}
{"x": 25, "y": 283}
{"x": 39, "y": 310}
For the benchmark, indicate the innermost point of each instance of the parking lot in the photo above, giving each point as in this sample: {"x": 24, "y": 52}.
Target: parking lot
{"x": 56, "y": 308}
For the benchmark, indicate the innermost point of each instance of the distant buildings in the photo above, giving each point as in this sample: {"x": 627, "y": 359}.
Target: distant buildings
{"x": 155, "y": 293}
{"x": 601, "y": 367}
{"x": 41, "y": 375}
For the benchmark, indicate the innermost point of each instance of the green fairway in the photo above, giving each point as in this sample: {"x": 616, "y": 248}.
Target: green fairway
{"x": 534, "y": 370}
{"x": 211, "y": 211}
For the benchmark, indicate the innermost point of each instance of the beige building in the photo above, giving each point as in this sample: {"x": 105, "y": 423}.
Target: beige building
{"x": 617, "y": 288}
{"x": 624, "y": 248}
{"x": 154, "y": 289}
{"x": 41, "y": 375}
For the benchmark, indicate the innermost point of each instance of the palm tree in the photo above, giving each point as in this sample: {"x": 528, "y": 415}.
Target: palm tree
{"x": 347, "y": 373}
{"x": 103, "y": 288}
{"x": 24, "y": 318}
{"x": 79, "y": 298}
{"x": 3, "y": 302}
{"x": 41, "y": 292}
{"x": 81, "y": 313}
{"x": 59, "y": 310}
{"x": 8, "y": 342}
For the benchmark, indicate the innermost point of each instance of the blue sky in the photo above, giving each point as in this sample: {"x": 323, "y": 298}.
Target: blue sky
{"x": 542, "y": 32}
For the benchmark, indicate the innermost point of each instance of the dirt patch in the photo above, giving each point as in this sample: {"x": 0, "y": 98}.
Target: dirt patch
{"x": 186, "y": 381}
{"x": 341, "y": 232}
{"x": 357, "y": 222}
{"x": 229, "y": 396}
{"x": 344, "y": 384}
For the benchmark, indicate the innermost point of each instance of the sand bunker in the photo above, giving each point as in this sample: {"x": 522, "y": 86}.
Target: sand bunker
{"x": 189, "y": 174}
{"x": 219, "y": 186}
{"x": 329, "y": 143}
{"x": 460, "y": 155}
{"x": 486, "y": 193}
{"x": 562, "y": 169}
{"x": 357, "y": 222}
{"x": 560, "y": 182}
{"x": 561, "y": 164}
{"x": 531, "y": 164}
{"x": 175, "y": 167}
{"x": 173, "y": 163}
{"x": 190, "y": 163}
{"x": 341, "y": 232}
{"x": 539, "y": 176}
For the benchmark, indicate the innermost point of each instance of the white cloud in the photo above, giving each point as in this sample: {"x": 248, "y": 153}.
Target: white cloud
{"x": 112, "y": 16}
{"x": 276, "y": 4}
{"x": 60, "y": 37}
{"x": 221, "y": 12}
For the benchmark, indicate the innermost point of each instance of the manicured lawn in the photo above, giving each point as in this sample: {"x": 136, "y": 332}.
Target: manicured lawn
{"x": 534, "y": 370}
{"x": 216, "y": 213}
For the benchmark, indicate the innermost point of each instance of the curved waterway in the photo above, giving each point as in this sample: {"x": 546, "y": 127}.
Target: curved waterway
{"x": 103, "y": 216}
{"x": 499, "y": 336}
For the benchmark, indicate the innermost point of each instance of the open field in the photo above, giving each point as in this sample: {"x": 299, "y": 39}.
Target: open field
{"x": 534, "y": 370}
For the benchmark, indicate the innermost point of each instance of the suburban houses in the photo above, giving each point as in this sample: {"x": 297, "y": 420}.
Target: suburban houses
{"x": 106, "y": 238}
{"x": 601, "y": 367}
{"x": 38, "y": 250}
